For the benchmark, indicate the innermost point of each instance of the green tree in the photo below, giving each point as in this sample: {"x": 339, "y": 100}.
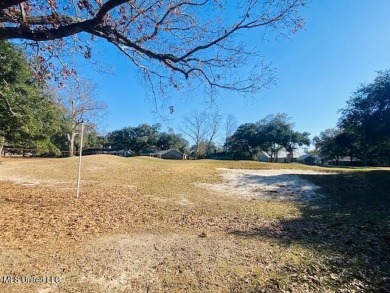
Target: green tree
{"x": 246, "y": 139}
{"x": 143, "y": 137}
{"x": 270, "y": 134}
{"x": 327, "y": 146}
{"x": 29, "y": 117}
{"x": 146, "y": 137}
{"x": 122, "y": 138}
{"x": 93, "y": 139}
{"x": 276, "y": 133}
{"x": 174, "y": 141}
{"x": 367, "y": 118}
{"x": 297, "y": 139}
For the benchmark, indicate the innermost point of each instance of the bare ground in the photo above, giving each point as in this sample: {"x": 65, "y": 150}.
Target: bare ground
{"x": 282, "y": 184}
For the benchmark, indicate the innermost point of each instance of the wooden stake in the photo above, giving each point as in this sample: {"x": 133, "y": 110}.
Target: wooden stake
{"x": 80, "y": 154}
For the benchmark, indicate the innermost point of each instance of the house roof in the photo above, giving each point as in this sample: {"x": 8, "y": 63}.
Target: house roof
{"x": 167, "y": 151}
{"x": 264, "y": 154}
{"x": 304, "y": 157}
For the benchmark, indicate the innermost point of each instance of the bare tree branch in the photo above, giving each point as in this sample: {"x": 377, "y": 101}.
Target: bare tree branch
{"x": 177, "y": 39}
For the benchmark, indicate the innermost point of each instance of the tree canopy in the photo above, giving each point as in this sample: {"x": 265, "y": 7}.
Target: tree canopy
{"x": 366, "y": 119}
{"x": 364, "y": 126}
{"x": 170, "y": 40}
{"x": 28, "y": 115}
{"x": 271, "y": 134}
{"x": 145, "y": 137}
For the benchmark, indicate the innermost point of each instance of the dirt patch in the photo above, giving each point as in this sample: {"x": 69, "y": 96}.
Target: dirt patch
{"x": 283, "y": 184}
{"x": 16, "y": 173}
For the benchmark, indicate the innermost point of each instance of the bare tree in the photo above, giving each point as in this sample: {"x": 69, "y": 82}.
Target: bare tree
{"x": 194, "y": 126}
{"x": 80, "y": 106}
{"x": 170, "y": 41}
{"x": 202, "y": 128}
{"x": 213, "y": 125}
{"x": 230, "y": 127}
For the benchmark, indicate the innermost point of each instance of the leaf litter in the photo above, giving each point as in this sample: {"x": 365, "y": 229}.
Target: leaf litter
{"x": 117, "y": 238}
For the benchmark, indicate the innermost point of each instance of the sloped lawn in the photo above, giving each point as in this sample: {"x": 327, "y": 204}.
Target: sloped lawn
{"x": 146, "y": 225}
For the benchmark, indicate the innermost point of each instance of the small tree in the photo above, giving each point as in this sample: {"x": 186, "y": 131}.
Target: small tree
{"x": 203, "y": 129}
{"x": 194, "y": 126}
{"x": 79, "y": 106}
{"x": 327, "y": 146}
{"x": 230, "y": 127}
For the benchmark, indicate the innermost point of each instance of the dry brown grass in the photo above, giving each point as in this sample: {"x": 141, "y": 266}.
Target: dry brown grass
{"x": 142, "y": 225}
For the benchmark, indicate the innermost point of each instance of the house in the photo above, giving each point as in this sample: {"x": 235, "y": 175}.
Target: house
{"x": 121, "y": 153}
{"x": 283, "y": 157}
{"x": 124, "y": 153}
{"x": 170, "y": 154}
{"x": 166, "y": 154}
{"x": 264, "y": 157}
{"x": 309, "y": 160}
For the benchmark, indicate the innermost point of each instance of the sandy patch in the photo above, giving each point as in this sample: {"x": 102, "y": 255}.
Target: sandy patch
{"x": 283, "y": 184}
{"x": 16, "y": 172}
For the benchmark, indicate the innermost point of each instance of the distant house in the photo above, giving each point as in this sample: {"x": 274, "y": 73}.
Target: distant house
{"x": 121, "y": 153}
{"x": 170, "y": 154}
{"x": 124, "y": 153}
{"x": 283, "y": 157}
{"x": 264, "y": 157}
{"x": 309, "y": 160}
{"x": 166, "y": 154}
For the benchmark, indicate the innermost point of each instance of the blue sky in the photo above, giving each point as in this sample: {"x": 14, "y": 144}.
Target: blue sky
{"x": 342, "y": 45}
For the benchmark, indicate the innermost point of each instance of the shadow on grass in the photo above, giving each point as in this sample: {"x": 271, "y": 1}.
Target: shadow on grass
{"x": 349, "y": 229}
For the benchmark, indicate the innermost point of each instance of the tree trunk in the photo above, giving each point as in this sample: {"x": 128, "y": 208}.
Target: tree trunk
{"x": 365, "y": 156}
{"x": 2, "y": 141}
{"x": 70, "y": 137}
{"x": 365, "y": 159}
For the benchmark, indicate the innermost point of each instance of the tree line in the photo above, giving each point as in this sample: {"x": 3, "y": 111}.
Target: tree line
{"x": 33, "y": 117}
{"x": 36, "y": 119}
{"x": 145, "y": 138}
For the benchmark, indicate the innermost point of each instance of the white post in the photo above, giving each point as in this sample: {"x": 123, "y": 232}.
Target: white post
{"x": 80, "y": 154}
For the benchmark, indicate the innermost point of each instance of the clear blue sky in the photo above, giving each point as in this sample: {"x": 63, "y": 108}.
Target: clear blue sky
{"x": 342, "y": 45}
